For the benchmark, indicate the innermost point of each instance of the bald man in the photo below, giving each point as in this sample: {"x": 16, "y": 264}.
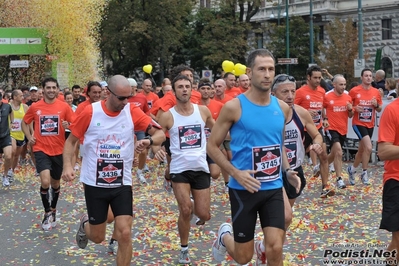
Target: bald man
{"x": 107, "y": 176}
{"x": 243, "y": 80}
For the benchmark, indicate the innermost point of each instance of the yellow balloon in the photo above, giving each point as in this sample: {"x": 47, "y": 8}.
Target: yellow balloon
{"x": 147, "y": 69}
{"x": 227, "y": 66}
{"x": 240, "y": 69}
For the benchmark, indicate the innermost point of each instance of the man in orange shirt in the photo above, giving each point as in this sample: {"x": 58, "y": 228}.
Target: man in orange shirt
{"x": 151, "y": 97}
{"x": 231, "y": 88}
{"x": 47, "y": 140}
{"x": 338, "y": 108}
{"x": 388, "y": 151}
{"x": 366, "y": 101}
{"x": 311, "y": 97}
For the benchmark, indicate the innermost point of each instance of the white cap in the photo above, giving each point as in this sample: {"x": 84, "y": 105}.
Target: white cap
{"x": 132, "y": 82}
{"x": 104, "y": 84}
{"x": 33, "y": 88}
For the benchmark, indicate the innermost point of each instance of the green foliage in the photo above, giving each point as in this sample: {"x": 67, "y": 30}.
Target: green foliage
{"x": 139, "y": 32}
{"x": 343, "y": 48}
{"x": 299, "y": 45}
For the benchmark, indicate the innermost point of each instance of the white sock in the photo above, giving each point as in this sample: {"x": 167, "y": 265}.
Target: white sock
{"x": 184, "y": 248}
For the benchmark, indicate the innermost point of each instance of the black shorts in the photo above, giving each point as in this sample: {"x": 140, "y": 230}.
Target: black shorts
{"x": 333, "y": 136}
{"x": 289, "y": 189}
{"x": 196, "y": 179}
{"x": 209, "y": 160}
{"x": 98, "y": 200}
{"x": 52, "y": 163}
{"x": 5, "y": 142}
{"x": 245, "y": 207}
{"x": 390, "y": 206}
{"x": 308, "y": 139}
{"x": 67, "y": 133}
{"x": 166, "y": 144}
{"x": 226, "y": 145}
{"x": 362, "y": 131}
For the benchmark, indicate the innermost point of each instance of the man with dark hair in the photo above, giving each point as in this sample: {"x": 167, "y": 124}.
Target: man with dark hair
{"x": 189, "y": 169}
{"x": 47, "y": 142}
{"x": 77, "y": 97}
{"x": 311, "y": 97}
{"x": 366, "y": 101}
{"x": 259, "y": 158}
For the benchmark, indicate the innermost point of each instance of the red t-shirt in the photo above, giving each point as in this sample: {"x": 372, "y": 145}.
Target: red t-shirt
{"x": 225, "y": 99}
{"x": 81, "y": 107}
{"x": 362, "y": 97}
{"x": 337, "y": 111}
{"x": 48, "y": 129}
{"x": 151, "y": 98}
{"x": 140, "y": 101}
{"x": 233, "y": 92}
{"x": 214, "y": 107}
{"x": 82, "y": 122}
{"x": 389, "y": 132}
{"x": 311, "y": 100}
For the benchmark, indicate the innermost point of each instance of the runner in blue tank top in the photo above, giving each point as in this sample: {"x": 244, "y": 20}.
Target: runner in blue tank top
{"x": 256, "y": 122}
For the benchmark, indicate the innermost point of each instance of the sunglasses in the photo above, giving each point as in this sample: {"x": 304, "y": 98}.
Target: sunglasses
{"x": 120, "y": 98}
{"x": 282, "y": 78}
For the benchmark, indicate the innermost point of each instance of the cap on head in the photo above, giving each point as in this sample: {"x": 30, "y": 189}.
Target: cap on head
{"x": 132, "y": 82}
{"x": 104, "y": 84}
{"x": 33, "y": 88}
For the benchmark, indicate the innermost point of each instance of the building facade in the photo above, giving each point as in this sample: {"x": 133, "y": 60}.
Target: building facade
{"x": 380, "y": 22}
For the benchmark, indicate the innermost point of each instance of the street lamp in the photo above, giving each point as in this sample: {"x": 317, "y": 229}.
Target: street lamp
{"x": 287, "y": 33}
{"x": 311, "y": 31}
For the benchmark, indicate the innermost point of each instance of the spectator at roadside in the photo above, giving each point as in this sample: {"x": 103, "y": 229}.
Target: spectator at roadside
{"x": 391, "y": 87}
{"x": 379, "y": 81}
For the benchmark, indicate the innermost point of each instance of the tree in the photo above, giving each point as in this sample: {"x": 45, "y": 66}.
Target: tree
{"x": 220, "y": 34}
{"x": 339, "y": 55}
{"x": 139, "y": 32}
{"x": 299, "y": 45}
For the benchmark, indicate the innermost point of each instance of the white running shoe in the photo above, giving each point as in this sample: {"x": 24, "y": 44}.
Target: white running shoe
{"x": 183, "y": 258}
{"x": 218, "y": 249}
{"x": 141, "y": 178}
{"x": 365, "y": 178}
{"x": 331, "y": 168}
{"x": 340, "y": 183}
{"x": 6, "y": 182}
{"x": 113, "y": 247}
{"x": 260, "y": 256}
{"x": 10, "y": 175}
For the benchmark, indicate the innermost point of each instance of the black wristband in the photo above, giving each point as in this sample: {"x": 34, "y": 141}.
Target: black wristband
{"x": 149, "y": 138}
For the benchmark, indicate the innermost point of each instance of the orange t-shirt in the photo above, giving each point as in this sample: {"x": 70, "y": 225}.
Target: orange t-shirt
{"x": 141, "y": 101}
{"x": 214, "y": 107}
{"x": 169, "y": 100}
{"x": 337, "y": 112}
{"x": 225, "y": 99}
{"x": 79, "y": 128}
{"x": 81, "y": 107}
{"x": 389, "y": 132}
{"x": 311, "y": 100}
{"x": 195, "y": 97}
{"x": 48, "y": 129}
{"x": 233, "y": 92}
{"x": 363, "y": 97}
{"x": 151, "y": 98}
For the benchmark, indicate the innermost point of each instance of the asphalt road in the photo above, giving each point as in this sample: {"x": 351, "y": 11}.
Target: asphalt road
{"x": 319, "y": 226}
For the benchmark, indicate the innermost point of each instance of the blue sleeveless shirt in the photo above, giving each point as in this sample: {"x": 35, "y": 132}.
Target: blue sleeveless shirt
{"x": 256, "y": 142}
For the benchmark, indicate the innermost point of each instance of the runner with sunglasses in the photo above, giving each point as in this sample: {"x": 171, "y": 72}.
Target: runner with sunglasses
{"x": 311, "y": 97}
{"x": 108, "y": 129}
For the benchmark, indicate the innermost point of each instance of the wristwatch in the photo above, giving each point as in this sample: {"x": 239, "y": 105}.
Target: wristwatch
{"x": 151, "y": 141}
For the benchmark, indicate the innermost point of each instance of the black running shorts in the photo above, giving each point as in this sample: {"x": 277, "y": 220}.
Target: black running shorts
{"x": 390, "y": 206}
{"x": 52, "y": 163}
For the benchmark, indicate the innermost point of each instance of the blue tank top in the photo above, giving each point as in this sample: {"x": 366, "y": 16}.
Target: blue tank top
{"x": 256, "y": 142}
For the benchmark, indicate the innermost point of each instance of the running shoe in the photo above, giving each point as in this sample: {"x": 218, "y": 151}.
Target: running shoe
{"x": 351, "y": 174}
{"x": 198, "y": 221}
{"x": 183, "y": 257}
{"x": 331, "y": 168}
{"x": 218, "y": 249}
{"x": 46, "y": 223}
{"x": 6, "y": 182}
{"x": 226, "y": 189}
{"x": 260, "y": 256}
{"x": 81, "y": 238}
{"x": 141, "y": 179}
{"x": 327, "y": 192}
{"x": 113, "y": 246}
{"x": 340, "y": 183}
{"x": 54, "y": 218}
{"x": 316, "y": 170}
{"x": 10, "y": 175}
{"x": 365, "y": 178}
